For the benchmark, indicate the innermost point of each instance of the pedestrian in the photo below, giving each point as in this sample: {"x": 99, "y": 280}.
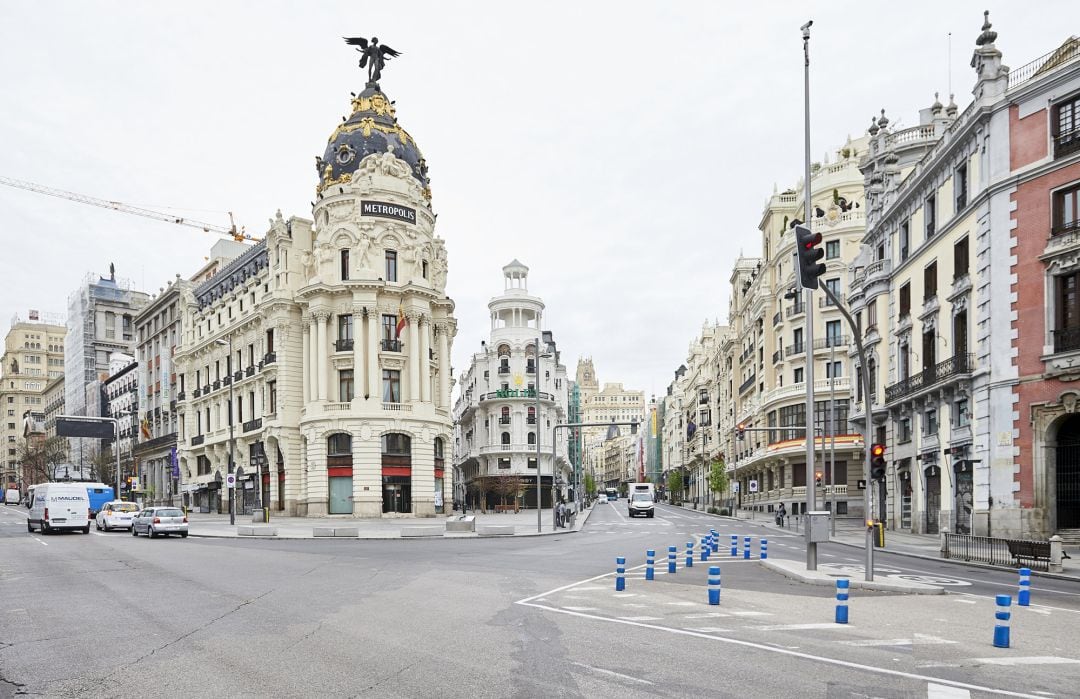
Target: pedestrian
{"x": 781, "y": 513}
{"x": 560, "y": 514}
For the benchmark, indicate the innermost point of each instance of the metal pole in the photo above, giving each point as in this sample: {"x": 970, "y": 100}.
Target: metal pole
{"x": 232, "y": 442}
{"x": 811, "y": 505}
{"x": 554, "y": 511}
{"x": 864, "y": 372}
{"x": 116, "y": 435}
{"x": 832, "y": 432}
{"x": 536, "y": 393}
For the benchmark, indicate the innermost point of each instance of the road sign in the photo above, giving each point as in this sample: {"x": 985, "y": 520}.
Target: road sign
{"x": 753, "y": 486}
{"x": 230, "y": 481}
{"x": 89, "y": 427}
{"x": 735, "y": 487}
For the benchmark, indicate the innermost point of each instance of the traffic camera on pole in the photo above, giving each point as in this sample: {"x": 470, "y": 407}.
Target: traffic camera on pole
{"x": 809, "y": 251}
{"x": 877, "y": 462}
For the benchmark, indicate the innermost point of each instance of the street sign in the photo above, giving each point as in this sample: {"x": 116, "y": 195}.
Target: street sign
{"x": 735, "y": 487}
{"x": 78, "y": 426}
{"x": 862, "y": 484}
{"x": 230, "y": 481}
{"x": 753, "y": 486}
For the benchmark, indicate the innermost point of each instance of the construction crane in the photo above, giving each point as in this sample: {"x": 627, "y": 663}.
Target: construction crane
{"x": 237, "y": 235}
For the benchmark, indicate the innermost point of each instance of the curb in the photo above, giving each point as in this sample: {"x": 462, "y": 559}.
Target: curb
{"x": 855, "y": 583}
{"x": 397, "y": 537}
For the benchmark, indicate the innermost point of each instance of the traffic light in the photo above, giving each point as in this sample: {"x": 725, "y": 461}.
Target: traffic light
{"x": 877, "y": 462}
{"x": 633, "y": 427}
{"x": 740, "y": 431}
{"x": 807, "y": 245}
{"x": 817, "y": 478}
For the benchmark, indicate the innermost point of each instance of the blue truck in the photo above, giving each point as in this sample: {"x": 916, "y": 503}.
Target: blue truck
{"x": 99, "y": 495}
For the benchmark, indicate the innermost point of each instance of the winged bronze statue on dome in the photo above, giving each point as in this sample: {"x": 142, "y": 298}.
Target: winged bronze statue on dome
{"x": 373, "y": 56}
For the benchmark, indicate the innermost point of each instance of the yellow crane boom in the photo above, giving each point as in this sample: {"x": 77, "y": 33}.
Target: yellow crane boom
{"x": 238, "y": 235}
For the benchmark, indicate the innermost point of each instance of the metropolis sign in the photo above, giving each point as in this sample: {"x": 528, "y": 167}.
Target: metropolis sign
{"x": 383, "y": 209}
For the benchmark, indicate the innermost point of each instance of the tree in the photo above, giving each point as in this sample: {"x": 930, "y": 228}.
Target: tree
{"x": 590, "y": 484}
{"x": 718, "y": 478}
{"x": 38, "y": 458}
{"x": 675, "y": 486}
{"x": 507, "y": 486}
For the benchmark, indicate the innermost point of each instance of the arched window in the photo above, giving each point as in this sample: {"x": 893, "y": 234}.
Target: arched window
{"x": 396, "y": 444}
{"x": 504, "y": 416}
{"x": 339, "y": 445}
{"x": 503, "y": 351}
{"x": 506, "y": 439}
{"x": 532, "y": 438}
{"x": 531, "y": 419}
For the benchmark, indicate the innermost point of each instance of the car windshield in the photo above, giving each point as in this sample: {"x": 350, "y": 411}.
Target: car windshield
{"x": 642, "y": 497}
{"x": 125, "y": 507}
{"x": 169, "y": 512}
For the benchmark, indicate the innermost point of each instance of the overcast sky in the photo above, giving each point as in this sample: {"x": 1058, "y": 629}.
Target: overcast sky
{"x": 622, "y": 150}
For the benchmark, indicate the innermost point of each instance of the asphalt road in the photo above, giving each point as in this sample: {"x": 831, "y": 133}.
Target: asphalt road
{"x": 110, "y": 615}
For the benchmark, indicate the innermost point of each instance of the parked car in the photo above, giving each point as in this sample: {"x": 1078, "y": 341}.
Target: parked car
{"x": 640, "y": 504}
{"x": 160, "y": 520}
{"x": 59, "y": 506}
{"x": 116, "y": 514}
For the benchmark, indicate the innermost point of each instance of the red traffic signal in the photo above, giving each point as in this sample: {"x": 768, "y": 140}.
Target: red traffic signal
{"x": 877, "y": 461}
{"x": 809, "y": 253}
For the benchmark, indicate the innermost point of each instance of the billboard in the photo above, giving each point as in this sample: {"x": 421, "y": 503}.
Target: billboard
{"x": 89, "y": 427}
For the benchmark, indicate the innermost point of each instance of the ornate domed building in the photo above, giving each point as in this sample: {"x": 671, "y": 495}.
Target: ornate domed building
{"x": 340, "y": 333}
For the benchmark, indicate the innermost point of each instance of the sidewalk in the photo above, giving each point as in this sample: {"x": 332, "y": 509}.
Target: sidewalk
{"x": 519, "y": 523}
{"x": 902, "y": 543}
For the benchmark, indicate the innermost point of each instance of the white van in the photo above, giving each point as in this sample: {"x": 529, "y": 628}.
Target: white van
{"x": 643, "y": 488}
{"x": 11, "y": 496}
{"x": 58, "y": 506}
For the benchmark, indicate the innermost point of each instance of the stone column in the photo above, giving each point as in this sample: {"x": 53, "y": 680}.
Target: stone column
{"x": 444, "y": 364}
{"x": 358, "y": 352}
{"x": 321, "y": 355}
{"x": 414, "y": 357}
{"x": 306, "y": 362}
{"x": 424, "y": 327}
{"x": 373, "y": 376}
{"x": 312, "y": 368}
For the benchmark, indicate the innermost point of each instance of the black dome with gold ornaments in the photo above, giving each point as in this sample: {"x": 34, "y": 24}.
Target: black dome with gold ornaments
{"x": 372, "y": 129}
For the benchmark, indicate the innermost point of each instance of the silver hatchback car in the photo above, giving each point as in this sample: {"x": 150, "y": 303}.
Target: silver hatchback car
{"x": 160, "y": 520}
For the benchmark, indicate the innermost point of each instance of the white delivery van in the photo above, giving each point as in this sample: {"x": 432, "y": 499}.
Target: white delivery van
{"x": 59, "y": 506}
{"x": 11, "y": 496}
{"x": 643, "y": 488}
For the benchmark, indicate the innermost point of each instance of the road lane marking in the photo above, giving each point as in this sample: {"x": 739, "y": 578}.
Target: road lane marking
{"x": 39, "y": 541}
{"x": 709, "y": 615}
{"x": 800, "y": 627}
{"x": 918, "y": 639}
{"x": 941, "y": 691}
{"x": 708, "y": 629}
{"x": 640, "y": 618}
{"x": 1029, "y": 660}
{"x": 581, "y": 609}
{"x": 612, "y": 673}
{"x": 871, "y": 669}
{"x": 1039, "y": 606}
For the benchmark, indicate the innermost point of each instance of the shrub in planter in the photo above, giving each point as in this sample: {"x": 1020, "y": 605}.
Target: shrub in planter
{"x": 724, "y": 512}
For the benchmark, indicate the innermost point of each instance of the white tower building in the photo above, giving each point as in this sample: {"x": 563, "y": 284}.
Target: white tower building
{"x": 496, "y": 414}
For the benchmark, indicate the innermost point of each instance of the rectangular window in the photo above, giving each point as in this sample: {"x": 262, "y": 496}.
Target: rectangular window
{"x": 833, "y": 338}
{"x": 532, "y": 462}
{"x": 504, "y": 462}
{"x": 905, "y": 300}
{"x": 240, "y": 409}
{"x": 832, "y": 249}
{"x": 960, "y": 259}
{"x": 793, "y": 416}
{"x": 270, "y": 340}
{"x": 930, "y": 422}
{"x": 798, "y": 375}
{"x": 905, "y": 240}
{"x": 345, "y": 265}
{"x": 391, "y": 265}
{"x": 1067, "y": 326}
{"x": 930, "y": 210}
{"x": 1066, "y": 214}
{"x": 834, "y": 370}
{"x": 271, "y": 389}
{"x": 1066, "y": 127}
{"x": 903, "y": 430}
{"x": 871, "y": 314}
{"x": 930, "y": 281}
{"x": 345, "y": 385}
{"x": 961, "y": 416}
{"x": 960, "y": 186}
{"x": 345, "y": 326}
{"x": 797, "y": 341}
{"x": 824, "y": 412}
{"x": 391, "y": 379}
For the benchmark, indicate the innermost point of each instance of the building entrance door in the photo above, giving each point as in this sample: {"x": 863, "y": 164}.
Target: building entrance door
{"x": 341, "y": 495}
{"x": 397, "y": 494}
{"x": 905, "y": 500}
{"x": 933, "y": 498}
{"x": 1067, "y": 476}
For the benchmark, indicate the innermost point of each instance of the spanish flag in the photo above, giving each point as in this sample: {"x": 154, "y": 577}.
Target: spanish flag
{"x": 400, "y": 321}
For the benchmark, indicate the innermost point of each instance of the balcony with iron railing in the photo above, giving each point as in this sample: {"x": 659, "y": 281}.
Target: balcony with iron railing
{"x": 777, "y": 356}
{"x": 1067, "y": 143}
{"x": 797, "y": 348}
{"x": 826, "y": 302}
{"x": 345, "y": 345}
{"x": 269, "y": 358}
{"x": 1067, "y": 339}
{"x": 954, "y": 367}
{"x": 504, "y": 420}
{"x": 504, "y": 370}
{"x": 198, "y": 439}
{"x": 831, "y": 341}
{"x": 795, "y": 310}
{"x": 777, "y": 317}
{"x": 748, "y": 383}
{"x": 252, "y": 425}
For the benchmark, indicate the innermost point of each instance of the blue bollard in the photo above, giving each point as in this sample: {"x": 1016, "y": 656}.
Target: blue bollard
{"x": 672, "y": 552}
{"x": 650, "y": 560}
{"x": 764, "y": 549}
{"x": 841, "y": 600}
{"x": 715, "y": 540}
{"x": 689, "y": 554}
{"x": 620, "y": 574}
{"x": 704, "y": 546}
{"x": 1001, "y": 628}
{"x": 1023, "y": 597}
{"x": 746, "y": 547}
{"x": 714, "y": 585}
{"x": 734, "y": 545}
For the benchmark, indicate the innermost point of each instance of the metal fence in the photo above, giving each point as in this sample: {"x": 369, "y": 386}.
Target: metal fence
{"x": 1012, "y": 553}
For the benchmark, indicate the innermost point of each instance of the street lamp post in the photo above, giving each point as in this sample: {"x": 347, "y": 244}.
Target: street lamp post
{"x": 232, "y": 440}
{"x": 536, "y": 396}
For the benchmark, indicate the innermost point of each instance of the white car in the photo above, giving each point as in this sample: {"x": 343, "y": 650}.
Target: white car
{"x": 116, "y": 514}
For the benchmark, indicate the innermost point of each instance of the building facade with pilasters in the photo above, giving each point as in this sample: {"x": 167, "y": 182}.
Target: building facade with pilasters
{"x": 341, "y": 336}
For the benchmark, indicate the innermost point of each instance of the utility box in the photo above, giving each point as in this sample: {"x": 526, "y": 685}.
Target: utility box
{"x": 817, "y": 526}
